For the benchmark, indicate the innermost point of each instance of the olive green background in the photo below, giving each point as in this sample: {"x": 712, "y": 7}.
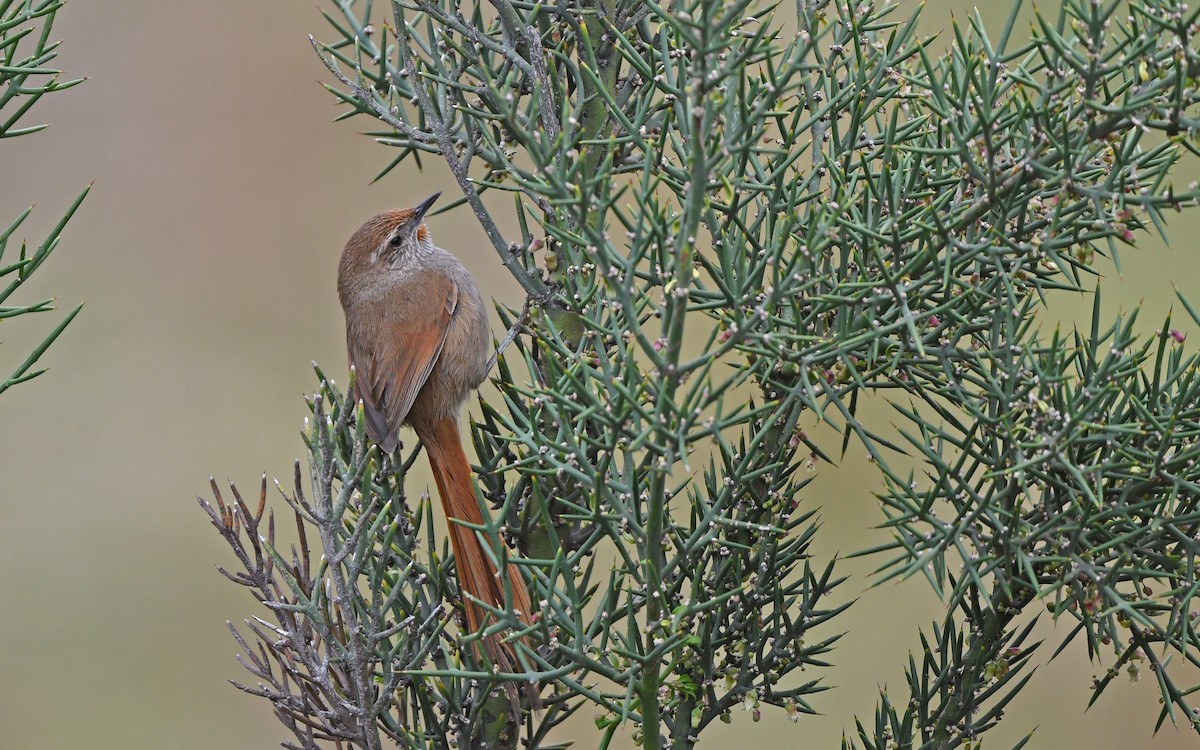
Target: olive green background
{"x": 206, "y": 256}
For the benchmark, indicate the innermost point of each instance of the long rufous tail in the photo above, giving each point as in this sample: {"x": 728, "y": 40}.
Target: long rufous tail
{"x": 477, "y": 575}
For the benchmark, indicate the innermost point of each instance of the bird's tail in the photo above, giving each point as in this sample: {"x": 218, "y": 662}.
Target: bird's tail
{"x": 477, "y": 575}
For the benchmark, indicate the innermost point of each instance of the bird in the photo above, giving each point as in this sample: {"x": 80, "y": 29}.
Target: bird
{"x": 417, "y": 338}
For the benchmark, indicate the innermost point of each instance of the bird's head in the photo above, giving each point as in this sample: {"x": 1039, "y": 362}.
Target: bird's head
{"x": 392, "y": 237}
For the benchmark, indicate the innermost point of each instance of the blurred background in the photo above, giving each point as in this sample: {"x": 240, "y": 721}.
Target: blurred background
{"x": 206, "y": 256}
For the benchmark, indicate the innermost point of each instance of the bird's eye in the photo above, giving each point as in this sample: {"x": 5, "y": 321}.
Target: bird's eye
{"x": 397, "y": 240}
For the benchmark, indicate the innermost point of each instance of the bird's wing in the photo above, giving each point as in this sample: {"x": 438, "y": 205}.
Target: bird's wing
{"x": 394, "y": 351}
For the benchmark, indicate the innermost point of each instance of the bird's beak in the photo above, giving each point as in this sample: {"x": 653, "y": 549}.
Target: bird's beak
{"x": 421, "y": 208}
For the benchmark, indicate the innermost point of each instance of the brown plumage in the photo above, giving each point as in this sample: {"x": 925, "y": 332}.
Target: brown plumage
{"x": 417, "y": 336}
